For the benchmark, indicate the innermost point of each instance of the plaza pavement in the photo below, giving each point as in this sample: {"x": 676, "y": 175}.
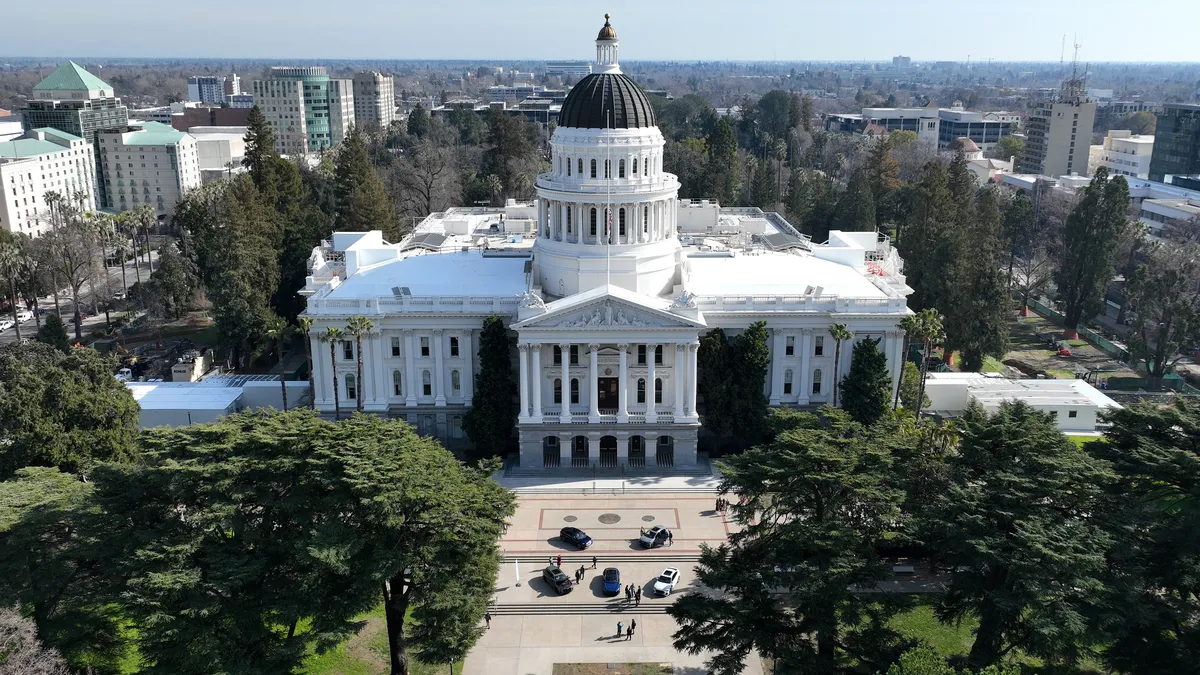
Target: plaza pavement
{"x": 533, "y": 628}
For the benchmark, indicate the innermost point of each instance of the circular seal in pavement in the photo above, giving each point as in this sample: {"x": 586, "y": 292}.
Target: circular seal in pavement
{"x": 570, "y": 519}
{"x": 648, "y": 519}
{"x": 609, "y": 518}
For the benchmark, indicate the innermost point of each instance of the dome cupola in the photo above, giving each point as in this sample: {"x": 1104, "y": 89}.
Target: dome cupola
{"x": 607, "y": 32}
{"x": 607, "y": 99}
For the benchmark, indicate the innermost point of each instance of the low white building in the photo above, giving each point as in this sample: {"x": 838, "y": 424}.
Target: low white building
{"x": 1123, "y": 154}
{"x": 177, "y": 404}
{"x": 1075, "y": 404}
{"x": 41, "y": 161}
{"x": 150, "y": 163}
{"x": 219, "y": 150}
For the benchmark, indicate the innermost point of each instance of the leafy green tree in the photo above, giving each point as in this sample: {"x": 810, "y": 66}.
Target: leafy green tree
{"x": 1151, "y": 613}
{"x": 926, "y": 661}
{"x": 977, "y": 322}
{"x": 54, "y": 333}
{"x": 1007, "y": 148}
{"x": 806, "y": 113}
{"x": 509, "y": 147}
{"x": 840, "y": 334}
{"x": 811, "y": 202}
{"x": 359, "y": 327}
{"x": 813, "y": 502}
{"x": 1087, "y": 253}
{"x": 1140, "y": 122}
{"x": 721, "y": 166}
{"x": 1164, "y": 294}
{"x": 418, "y": 121}
{"x": 333, "y": 335}
{"x": 362, "y": 202}
{"x": 51, "y": 567}
{"x": 62, "y": 409}
{"x": 773, "y": 113}
{"x": 730, "y": 376}
{"x": 856, "y": 207}
{"x": 278, "y": 330}
{"x": 910, "y": 387}
{"x": 1019, "y": 231}
{"x": 490, "y": 421}
{"x": 868, "y": 386}
{"x": 171, "y": 284}
{"x": 10, "y": 268}
{"x": 764, "y": 191}
{"x": 1015, "y": 524}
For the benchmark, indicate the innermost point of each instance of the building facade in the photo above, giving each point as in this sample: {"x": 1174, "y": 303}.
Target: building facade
{"x": 73, "y": 100}
{"x": 935, "y": 127}
{"x": 38, "y": 162}
{"x": 308, "y": 111}
{"x": 206, "y": 89}
{"x": 1176, "y": 143}
{"x": 607, "y": 280}
{"x": 1058, "y": 133}
{"x": 1123, "y": 154}
{"x": 569, "y": 68}
{"x": 149, "y": 164}
{"x": 374, "y": 99}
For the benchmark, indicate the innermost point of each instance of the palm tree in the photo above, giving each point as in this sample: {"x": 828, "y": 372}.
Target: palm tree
{"x": 359, "y": 326}
{"x": 306, "y": 327}
{"x": 930, "y": 332}
{"x": 127, "y": 227}
{"x": 10, "y": 263}
{"x": 146, "y": 219}
{"x": 277, "y": 329}
{"x": 779, "y": 153}
{"x": 911, "y": 327}
{"x": 839, "y": 333}
{"x": 333, "y": 336}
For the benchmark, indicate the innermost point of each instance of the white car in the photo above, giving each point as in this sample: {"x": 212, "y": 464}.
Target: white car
{"x": 665, "y": 583}
{"x": 5, "y": 324}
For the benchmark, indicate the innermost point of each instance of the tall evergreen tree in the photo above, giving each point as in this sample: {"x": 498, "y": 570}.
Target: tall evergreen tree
{"x": 811, "y": 203}
{"x": 260, "y": 144}
{"x": 721, "y": 166}
{"x": 977, "y": 318}
{"x": 1016, "y": 524}
{"x": 867, "y": 388}
{"x": 884, "y": 173}
{"x": 806, "y": 113}
{"x": 856, "y": 208}
{"x": 961, "y": 182}
{"x": 362, "y": 202}
{"x": 1018, "y": 230}
{"x": 730, "y": 378}
{"x": 930, "y": 240}
{"x": 54, "y": 333}
{"x": 490, "y": 421}
{"x": 418, "y": 122}
{"x": 1088, "y": 249}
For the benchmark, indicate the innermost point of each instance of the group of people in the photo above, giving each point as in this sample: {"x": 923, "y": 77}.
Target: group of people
{"x": 628, "y": 631}
{"x": 579, "y": 575}
{"x": 633, "y": 595}
{"x": 722, "y": 504}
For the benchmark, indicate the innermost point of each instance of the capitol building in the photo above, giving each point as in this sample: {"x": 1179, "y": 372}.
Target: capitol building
{"x": 607, "y": 282}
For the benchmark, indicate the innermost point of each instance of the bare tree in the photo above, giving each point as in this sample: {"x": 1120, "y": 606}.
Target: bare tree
{"x": 1032, "y": 274}
{"x": 20, "y": 651}
{"x": 72, "y": 257}
{"x": 425, "y": 180}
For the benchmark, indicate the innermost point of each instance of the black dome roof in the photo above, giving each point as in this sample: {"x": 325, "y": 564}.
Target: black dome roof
{"x": 606, "y": 101}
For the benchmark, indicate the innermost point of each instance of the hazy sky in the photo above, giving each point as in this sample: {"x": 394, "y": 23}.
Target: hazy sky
{"x": 1018, "y": 30}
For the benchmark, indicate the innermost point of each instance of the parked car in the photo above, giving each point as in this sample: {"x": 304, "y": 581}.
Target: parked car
{"x": 654, "y": 537}
{"x": 125, "y": 375}
{"x": 119, "y": 295}
{"x": 612, "y": 581}
{"x": 665, "y": 583}
{"x": 575, "y": 537}
{"x": 24, "y": 315}
{"x": 5, "y": 324}
{"x": 555, "y": 577}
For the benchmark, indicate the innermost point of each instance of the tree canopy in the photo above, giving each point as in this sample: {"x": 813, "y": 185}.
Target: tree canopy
{"x": 866, "y": 392}
{"x": 1087, "y": 253}
{"x": 490, "y": 421}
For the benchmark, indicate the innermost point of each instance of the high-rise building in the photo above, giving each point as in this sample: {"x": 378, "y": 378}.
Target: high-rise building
{"x": 1176, "y": 143}
{"x": 374, "y": 99}
{"x": 1058, "y": 135}
{"x": 38, "y": 162}
{"x": 901, "y": 61}
{"x": 308, "y": 111}
{"x": 73, "y": 100}
{"x": 1123, "y": 154}
{"x": 150, "y": 163}
{"x": 213, "y": 89}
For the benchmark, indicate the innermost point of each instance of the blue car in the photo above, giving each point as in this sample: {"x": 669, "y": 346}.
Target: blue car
{"x": 612, "y": 581}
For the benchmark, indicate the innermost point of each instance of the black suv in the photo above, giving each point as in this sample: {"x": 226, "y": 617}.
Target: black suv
{"x": 575, "y": 537}
{"x": 555, "y": 577}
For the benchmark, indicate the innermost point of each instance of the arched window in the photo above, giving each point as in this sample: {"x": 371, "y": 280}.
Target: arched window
{"x": 455, "y": 383}
{"x": 397, "y": 383}
{"x": 351, "y": 387}
{"x": 658, "y": 390}
{"x": 787, "y": 382}
{"x": 426, "y": 383}
{"x": 592, "y": 221}
{"x": 621, "y": 222}
{"x": 635, "y": 166}
{"x": 593, "y": 168}
{"x": 621, "y": 168}
{"x": 641, "y": 390}
{"x": 557, "y": 389}
{"x": 816, "y": 381}
{"x": 581, "y": 165}
{"x": 568, "y": 166}
{"x": 574, "y": 390}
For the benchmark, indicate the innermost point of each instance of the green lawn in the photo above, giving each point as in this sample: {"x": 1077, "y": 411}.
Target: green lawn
{"x": 1081, "y": 440}
{"x": 367, "y": 654}
{"x": 992, "y": 365}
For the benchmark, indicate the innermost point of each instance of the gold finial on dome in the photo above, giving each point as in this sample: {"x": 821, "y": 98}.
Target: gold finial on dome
{"x": 607, "y": 32}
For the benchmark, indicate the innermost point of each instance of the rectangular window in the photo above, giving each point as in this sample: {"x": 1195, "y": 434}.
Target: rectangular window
{"x": 819, "y": 345}
{"x": 395, "y": 346}
{"x": 351, "y": 388}
{"x": 424, "y": 346}
{"x": 592, "y": 221}
{"x": 453, "y": 346}
{"x": 658, "y": 390}
{"x": 641, "y": 355}
{"x": 557, "y": 355}
{"x": 816, "y": 389}
{"x": 1073, "y": 414}
{"x": 347, "y": 350}
{"x": 790, "y": 349}
{"x": 658, "y": 353}
{"x": 574, "y": 355}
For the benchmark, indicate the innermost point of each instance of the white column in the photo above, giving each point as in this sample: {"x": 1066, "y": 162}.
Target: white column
{"x": 594, "y": 383}
{"x": 524, "y": 380}
{"x": 380, "y": 382}
{"x": 651, "y": 411}
{"x": 320, "y": 375}
{"x": 680, "y": 373}
{"x": 565, "y": 415}
{"x": 623, "y": 386}
{"x": 468, "y": 372}
{"x": 439, "y": 377}
{"x": 895, "y": 353}
{"x": 535, "y": 381}
{"x": 410, "y": 370}
{"x": 693, "y": 350}
{"x": 806, "y": 348}
{"x": 777, "y": 367}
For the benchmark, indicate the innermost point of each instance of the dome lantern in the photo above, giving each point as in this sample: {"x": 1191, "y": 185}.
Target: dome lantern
{"x": 606, "y": 49}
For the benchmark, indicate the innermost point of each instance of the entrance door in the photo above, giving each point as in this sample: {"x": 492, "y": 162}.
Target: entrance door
{"x": 608, "y": 451}
{"x": 664, "y": 455}
{"x": 637, "y": 451}
{"x": 608, "y": 394}
{"x": 579, "y": 452}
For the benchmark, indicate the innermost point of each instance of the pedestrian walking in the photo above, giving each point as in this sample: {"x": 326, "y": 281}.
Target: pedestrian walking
{"x": 629, "y": 633}
{"x": 628, "y": 594}
{"x": 551, "y": 560}
{"x": 670, "y": 538}
{"x": 620, "y": 628}
{"x": 632, "y": 625}
{"x": 637, "y": 597}
{"x": 487, "y": 618}
{"x": 560, "y": 561}
{"x": 593, "y": 562}
{"x": 718, "y": 506}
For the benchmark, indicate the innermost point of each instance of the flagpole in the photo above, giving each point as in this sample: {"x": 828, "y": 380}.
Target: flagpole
{"x": 609, "y": 218}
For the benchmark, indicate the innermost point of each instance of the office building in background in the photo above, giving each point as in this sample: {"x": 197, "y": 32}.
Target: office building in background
{"x": 1058, "y": 133}
{"x": 150, "y": 163}
{"x": 308, "y": 110}
{"x": 38, "y": 162}
{"x": 374, "y": 99}
{"x": 1176, "y": 157}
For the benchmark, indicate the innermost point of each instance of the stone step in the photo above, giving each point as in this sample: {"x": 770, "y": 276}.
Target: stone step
{"x": 604, "y": 560}
{"x": 648, "y": 606}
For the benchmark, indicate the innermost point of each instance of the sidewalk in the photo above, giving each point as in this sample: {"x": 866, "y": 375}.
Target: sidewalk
{"x": 584, "y": 485}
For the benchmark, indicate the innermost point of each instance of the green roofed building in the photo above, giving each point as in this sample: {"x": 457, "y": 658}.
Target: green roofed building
{"x": 75, "y": 101}
{"x": 148, "y": 163}
{"x": 36, "y": 164}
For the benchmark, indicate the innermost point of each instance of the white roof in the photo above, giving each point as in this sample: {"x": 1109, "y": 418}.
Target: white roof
{"x": 439, "y": 274}
{"x": 991, "y": 391}
{"x": 183, "y": 396}
{"x": 771, "y": 273}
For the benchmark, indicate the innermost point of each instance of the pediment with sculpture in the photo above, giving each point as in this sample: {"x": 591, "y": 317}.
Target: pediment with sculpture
{"x": 610, "y": 313}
